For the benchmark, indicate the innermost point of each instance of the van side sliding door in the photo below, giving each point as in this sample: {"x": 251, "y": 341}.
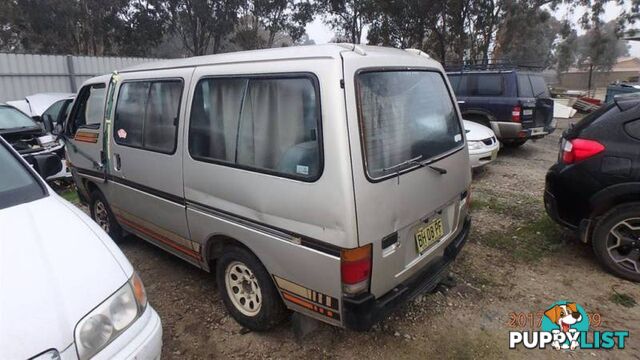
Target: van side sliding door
{"x": 146, "y": 159}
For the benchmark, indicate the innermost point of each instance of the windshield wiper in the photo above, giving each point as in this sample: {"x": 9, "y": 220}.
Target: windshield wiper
{"x": 416, "y": 162}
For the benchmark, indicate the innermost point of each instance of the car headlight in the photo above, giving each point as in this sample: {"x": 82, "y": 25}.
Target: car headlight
{"x": 111, "y": 318}
{"x": 475, "y": 145}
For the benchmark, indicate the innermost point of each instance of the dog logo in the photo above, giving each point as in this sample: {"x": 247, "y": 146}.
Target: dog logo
{"x": 568, "y": 318}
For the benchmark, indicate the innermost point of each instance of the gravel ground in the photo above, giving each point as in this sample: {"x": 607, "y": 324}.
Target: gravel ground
{"x": 516, "y": 261}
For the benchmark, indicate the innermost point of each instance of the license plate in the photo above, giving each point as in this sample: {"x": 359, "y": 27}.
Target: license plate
{"x": 494, "y": 154}
{"x": 527, "y": 112}
{"x": 429, "y": 235}
{"x": 538, "y": 131}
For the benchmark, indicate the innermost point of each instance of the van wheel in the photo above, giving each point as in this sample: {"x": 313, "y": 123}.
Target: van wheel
{"x": 616, "y": 241}
{"x": 247, "y": 290}
{"x": 103, "y": 216}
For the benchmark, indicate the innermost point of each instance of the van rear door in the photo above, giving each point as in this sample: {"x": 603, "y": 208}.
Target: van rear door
{"x": 405, "y": 131}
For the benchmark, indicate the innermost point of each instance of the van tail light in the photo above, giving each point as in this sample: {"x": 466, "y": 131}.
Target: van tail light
{"x": 516, "y": 114}
{"x": 577, "y": 150}
{"x": 355, "y": 266}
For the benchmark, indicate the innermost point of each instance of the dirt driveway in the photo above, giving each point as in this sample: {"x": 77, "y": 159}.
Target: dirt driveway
{"x": 517, "y": 261}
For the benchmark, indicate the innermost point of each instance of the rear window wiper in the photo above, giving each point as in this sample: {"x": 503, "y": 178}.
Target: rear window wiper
{"x": 416, "y": 161}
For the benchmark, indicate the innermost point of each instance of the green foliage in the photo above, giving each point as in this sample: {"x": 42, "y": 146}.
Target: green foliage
{"x": 623, "y": 299}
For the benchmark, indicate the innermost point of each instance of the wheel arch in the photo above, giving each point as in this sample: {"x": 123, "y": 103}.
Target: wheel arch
{"x": 471, "y": 114}
{"x": 214, "y": 247}
{"x": 615, "y": 195}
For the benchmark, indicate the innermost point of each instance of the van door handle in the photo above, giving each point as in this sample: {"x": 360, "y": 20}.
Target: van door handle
{"x": 117, "y": 163}
{"x": 461, "y": 102}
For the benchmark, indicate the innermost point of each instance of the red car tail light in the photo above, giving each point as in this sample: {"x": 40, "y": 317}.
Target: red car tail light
{"x": 356, "y": 269}
{"x": 516, "y": 114}
{"x": 577, "y": 150}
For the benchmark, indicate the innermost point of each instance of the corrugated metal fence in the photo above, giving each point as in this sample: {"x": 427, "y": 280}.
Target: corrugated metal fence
{"x": 25, "y": 74}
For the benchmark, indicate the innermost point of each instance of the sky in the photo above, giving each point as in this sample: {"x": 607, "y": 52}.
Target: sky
{"x": 322, "y": 34}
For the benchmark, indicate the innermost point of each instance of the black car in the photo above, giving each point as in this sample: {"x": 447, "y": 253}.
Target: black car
{"x": 516, "y": 104}
{"x": 595, "y": 186}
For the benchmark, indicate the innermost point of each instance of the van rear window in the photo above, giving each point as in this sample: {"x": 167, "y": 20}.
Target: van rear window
{"x": 405, "y": 116}
{"x": 268, "y": 124}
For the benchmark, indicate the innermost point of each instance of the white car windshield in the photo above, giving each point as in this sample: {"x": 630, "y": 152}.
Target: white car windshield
{"x": 405, "y": 116}
{"x": 17, "y": 184}
{"x": 11, "y": 118}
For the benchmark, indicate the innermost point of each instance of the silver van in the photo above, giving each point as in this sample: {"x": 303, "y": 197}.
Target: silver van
{"x": 331, "y": 180}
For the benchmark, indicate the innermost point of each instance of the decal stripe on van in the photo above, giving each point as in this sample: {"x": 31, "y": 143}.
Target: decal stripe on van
{"x": 307, "y": 298}
{"x": 84, "y": 136}
{"x": 156, "y": 233}
{"x": 298, "y": 239}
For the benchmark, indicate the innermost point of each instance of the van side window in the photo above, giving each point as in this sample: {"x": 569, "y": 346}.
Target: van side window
{"x": 147, "y": 115}
{"x": 88, "y": 111}
{"x": 268, "y": 124}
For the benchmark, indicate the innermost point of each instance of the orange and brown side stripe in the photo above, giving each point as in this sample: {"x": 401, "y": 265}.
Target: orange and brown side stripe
{"x": 84, "y": 136}
{"x": 315, "y": 301}
{"x": 163, "y": 236}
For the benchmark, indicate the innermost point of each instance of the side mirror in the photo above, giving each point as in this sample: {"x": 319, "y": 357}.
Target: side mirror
{"x": 46, "y": 165}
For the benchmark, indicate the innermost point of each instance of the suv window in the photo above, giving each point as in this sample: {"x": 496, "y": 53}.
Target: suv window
{"x": 89, "y": 109}
{"x": 477, "y": 84}
{"x": 270, "y": 124}
{"x": 405, "y": 116}
{"x": 539, "y": 86}
{"x": 531, "y": 85}
{"x": 147, "y": 115}
{"x": 524, "y": 86}
{"x": 488, "y": 85}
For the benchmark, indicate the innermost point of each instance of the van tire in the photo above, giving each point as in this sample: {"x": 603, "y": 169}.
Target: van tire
{"x": 271, "y": 310}
{"x": 601, "y": 239}
{"x": 103, "y": 216}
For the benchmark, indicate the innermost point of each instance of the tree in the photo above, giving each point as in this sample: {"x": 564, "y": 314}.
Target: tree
{"x": 600, "y": 47}
{"x": 346, "y": 17}
{"x": 143, "y": 28}
{"x": 527, "y": 35}
{"x": 9, "y": 36}
{"x": 283, "y": 16}
{"x": 202, "y": 24}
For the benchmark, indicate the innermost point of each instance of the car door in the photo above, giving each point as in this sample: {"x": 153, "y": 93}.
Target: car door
{"x": 84, "y": 128}
{"x": 146, "y": 160}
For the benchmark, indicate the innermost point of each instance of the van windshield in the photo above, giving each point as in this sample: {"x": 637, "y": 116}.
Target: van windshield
{"x": 404, "y": 116}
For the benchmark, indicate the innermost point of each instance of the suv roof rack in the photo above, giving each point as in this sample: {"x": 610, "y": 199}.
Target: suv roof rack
{"x": 493, "y": 65}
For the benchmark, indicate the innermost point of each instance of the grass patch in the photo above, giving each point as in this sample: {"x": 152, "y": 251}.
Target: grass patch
{"x": 71, "y": 195}
{"x": 623, "y": 299}
{"x": 530, "y": 242}
{"x": 518, "y": 207}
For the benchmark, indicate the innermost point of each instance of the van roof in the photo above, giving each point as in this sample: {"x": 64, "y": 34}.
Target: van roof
{"x": 329, "y": 51}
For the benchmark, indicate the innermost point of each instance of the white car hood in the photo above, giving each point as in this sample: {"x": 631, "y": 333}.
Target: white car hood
{"x": 477, "y": 132}
{"x": 37, "y": 104}
{"x": 52, "y": 273}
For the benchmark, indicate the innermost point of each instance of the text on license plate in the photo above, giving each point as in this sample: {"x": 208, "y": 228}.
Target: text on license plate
{"x": 429, "y": 234}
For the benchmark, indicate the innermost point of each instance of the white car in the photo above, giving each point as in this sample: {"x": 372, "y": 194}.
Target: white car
{"x": 67, "y": 291}
{"x": 482, "y": 142}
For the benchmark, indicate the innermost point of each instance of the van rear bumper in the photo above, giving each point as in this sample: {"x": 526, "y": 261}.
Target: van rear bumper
{"x": 364, "y": 310}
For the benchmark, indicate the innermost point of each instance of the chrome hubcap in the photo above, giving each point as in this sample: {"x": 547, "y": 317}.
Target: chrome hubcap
{"x": 102, "y": 216}
{"x": 243, "y": 289}
{"x": 623, "y": 244}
